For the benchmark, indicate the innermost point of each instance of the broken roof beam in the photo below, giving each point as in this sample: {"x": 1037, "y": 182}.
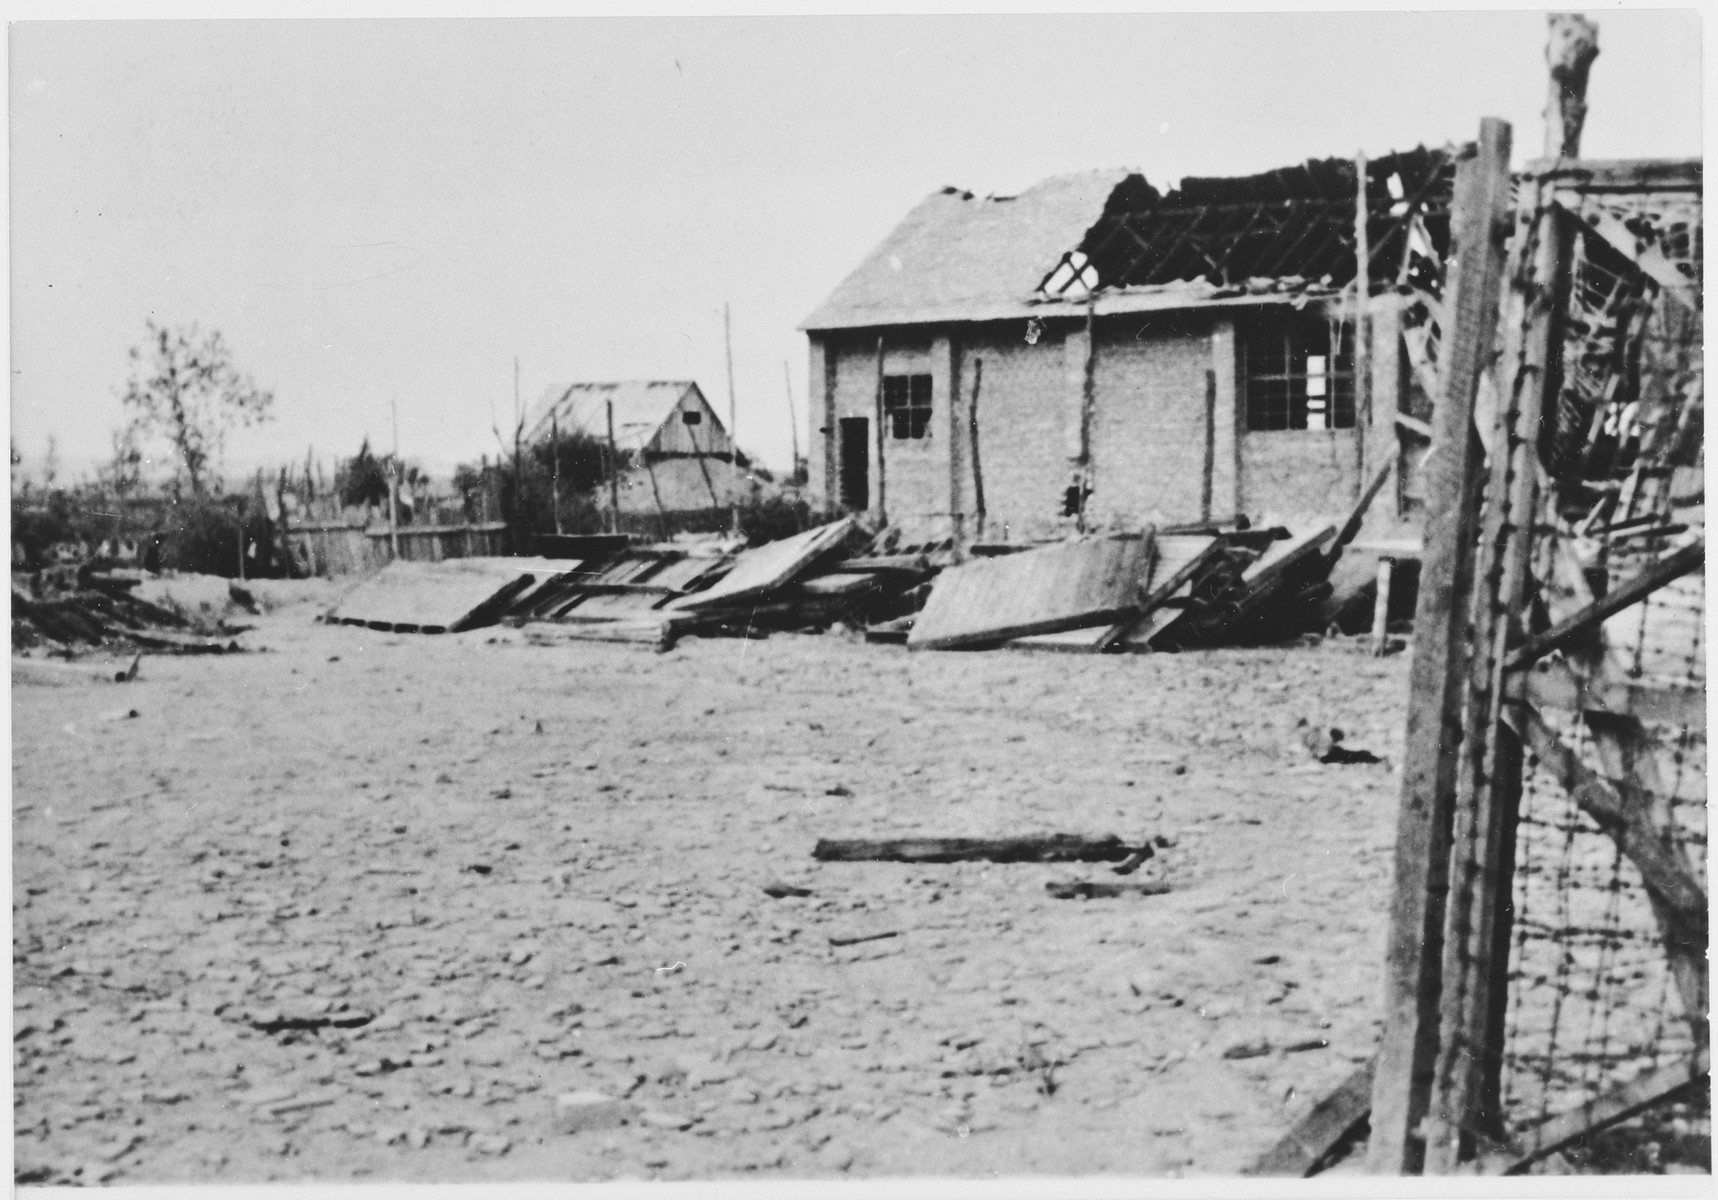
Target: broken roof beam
{"x": 1620, "y": 175}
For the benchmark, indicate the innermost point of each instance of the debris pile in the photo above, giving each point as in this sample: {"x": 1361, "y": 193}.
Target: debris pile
{"x": 67, "y": 611}
{"x": 833, "y": 574}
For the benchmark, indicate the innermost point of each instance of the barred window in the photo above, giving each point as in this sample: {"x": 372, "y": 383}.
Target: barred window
{"x": 1299, "y": 372}
{"x": 907, "y": 405}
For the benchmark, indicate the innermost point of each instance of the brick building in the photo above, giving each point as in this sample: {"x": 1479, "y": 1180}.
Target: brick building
{"x": 1137, "y": 357}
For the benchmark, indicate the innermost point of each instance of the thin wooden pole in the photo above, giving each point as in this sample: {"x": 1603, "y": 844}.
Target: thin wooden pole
{"x": 977, "y": 470}
{"x": 394, "y": 485}
{"x": 518, "y": 467}
{"x": 1381, "y": 608}
{"x": 555, "y": 467}
{"x": 1414, "y": 949}
{"x": 614, "y": 473}
{"x": 656, "y": 492}
{"x": 1205, "y": 482}
{"x": 792, "y": 417}
{"x": 728, "y": 343}
{"x": 882, "y": 438}
{"x": 1362, "y": 324}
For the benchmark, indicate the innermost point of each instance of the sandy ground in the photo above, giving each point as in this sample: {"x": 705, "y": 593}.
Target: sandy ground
{"x": 485, "y": 852}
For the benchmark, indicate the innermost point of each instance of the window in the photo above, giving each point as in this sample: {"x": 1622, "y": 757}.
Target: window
{"x": 1299, "y": 373}
{"x": 692, "y": 418}
{"x": 907, "y": 405}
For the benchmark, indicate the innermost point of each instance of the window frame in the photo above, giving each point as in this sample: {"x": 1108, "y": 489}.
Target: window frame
{"x": 909, "y": 400}
{"x": 1296, "y": 341}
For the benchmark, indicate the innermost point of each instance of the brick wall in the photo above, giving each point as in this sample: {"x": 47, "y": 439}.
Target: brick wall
{"x": 1148, "y": 428}
{"x": 1022, "y": 413}
{"x": 1145, "y": 440}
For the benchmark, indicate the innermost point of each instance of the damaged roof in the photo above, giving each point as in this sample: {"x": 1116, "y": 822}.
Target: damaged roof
{"x": 640, "y": 408}
{"x": 1294, "y": 221}
{"x": 1113, "y": 238}
{"x": 960, "y": 257}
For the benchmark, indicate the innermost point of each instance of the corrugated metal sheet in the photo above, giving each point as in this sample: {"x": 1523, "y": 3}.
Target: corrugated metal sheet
{"x": 1071, "y": 585}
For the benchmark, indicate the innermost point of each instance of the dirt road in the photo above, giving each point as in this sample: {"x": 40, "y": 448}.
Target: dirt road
{"x": 361, "y": 905}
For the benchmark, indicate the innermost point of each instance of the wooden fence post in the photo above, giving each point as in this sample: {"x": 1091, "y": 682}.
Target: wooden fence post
{"x": 1407, "y": 1054}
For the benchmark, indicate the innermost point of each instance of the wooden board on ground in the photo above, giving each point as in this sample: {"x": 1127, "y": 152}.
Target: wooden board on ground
{"x": 439, "y": 597}
{"x": 765, "y": 568}
{"x": 1070, "y": 585}
{"x": 1070, "y": 641}
{"x": 1053, "y": 847}
{"x": 1319, "y": 1132}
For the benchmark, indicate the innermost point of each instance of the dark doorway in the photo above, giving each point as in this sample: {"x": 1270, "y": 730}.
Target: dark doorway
{"x": 856, "y": 463}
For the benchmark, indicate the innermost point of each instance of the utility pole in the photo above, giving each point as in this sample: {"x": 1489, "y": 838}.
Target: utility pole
{"x": 1362, "y": 328}
{"x": 518, "y": 475}
{"x": 728, "y": 341}
{"x": 555, "y": 467}
{"x": 792, "y": 417}
{"x": 394, "y": 484}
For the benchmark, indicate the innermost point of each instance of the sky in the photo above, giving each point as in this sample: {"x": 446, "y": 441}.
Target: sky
{"x": 384, "y": 215}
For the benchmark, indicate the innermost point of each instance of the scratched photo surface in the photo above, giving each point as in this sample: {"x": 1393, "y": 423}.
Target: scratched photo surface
{"x": 833, "y": 597}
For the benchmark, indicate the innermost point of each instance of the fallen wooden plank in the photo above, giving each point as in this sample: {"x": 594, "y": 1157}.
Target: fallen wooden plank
{"x": 658, "y": 634}
{"x": 1069, "y": 585}
{"x": 915, "y": 564}
{"x": 1664, "y": 571}
{"x": 768, "y": 567}
{"x": 842, "y": 583}
{"x": 1413, "y": 425}
{"x": 836, "y": 939}
{"x": 1635, "y": 1097}
{"x": 1303, "y": 1148}
{"x": 1056, "y": 847}
{"x": 1088, "y": 889}
{"x": 1071, "y": 641}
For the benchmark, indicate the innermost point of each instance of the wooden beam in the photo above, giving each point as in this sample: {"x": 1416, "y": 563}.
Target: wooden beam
{"x": 882, "y": 438}
{"x": 1665, "y": 570}
{"x": 1414, "y": 426}
{"x": 1413, "y": 955}
{"x": 1315, "y": 1135}
{"x": 1210, "y": 445}
{"x": 1619, "y": 175}
{"x": 1052, "y": 847}
{"x": 1617, "y": 1105}
{"x": 977, "y": 470}
{"x": 1350, "y": 527}
{"x": 1614, "y": 807}
{"x": 1627, "y": 752}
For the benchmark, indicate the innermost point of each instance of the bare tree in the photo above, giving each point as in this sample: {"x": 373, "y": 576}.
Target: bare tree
{"x": 184, "y": 386}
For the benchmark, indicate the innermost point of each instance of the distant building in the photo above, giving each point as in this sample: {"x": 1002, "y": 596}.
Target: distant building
{"x": 653, "y": 418}
{"x": 1138, "y": 357}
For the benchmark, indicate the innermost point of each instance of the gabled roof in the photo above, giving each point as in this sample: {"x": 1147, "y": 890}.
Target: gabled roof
{"x": 640, "y": 407}
{"x": 961, "y": 257}
{"x": 1113, "y": 238}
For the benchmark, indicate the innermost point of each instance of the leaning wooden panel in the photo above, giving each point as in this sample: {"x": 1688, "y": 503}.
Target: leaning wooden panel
{"x": 438, "y": 596}
{"x": 1070, "y": 585}
{"x": 766, "y": 568}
